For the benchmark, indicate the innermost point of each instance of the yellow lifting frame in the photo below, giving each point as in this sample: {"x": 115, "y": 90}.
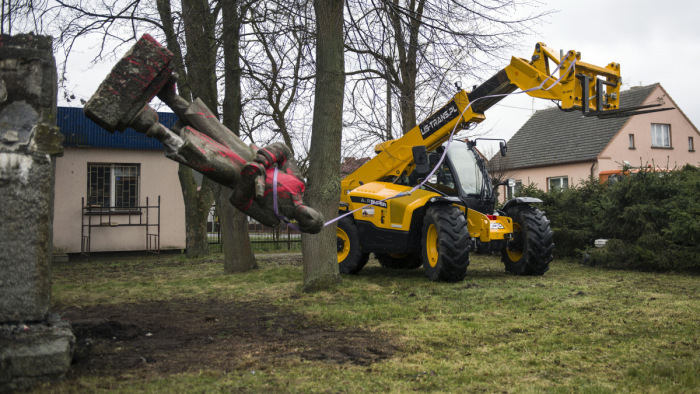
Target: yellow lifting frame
{"x": 569, "y": 91}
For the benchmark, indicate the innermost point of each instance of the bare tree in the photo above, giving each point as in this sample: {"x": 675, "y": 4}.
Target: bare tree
{"x": 419, "y": 47}
{"x": 22, "y": 15}
{"x": 279, "y": 69}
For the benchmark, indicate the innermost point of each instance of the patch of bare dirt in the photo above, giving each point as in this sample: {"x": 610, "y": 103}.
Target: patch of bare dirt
{"x": 183, "y": 335}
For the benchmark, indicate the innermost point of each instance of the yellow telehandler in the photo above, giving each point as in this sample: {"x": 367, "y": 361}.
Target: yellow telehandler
{"x": 424, "y": 197}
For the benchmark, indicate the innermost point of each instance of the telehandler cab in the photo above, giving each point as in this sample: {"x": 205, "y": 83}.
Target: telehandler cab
{"x": 424, "y": 196}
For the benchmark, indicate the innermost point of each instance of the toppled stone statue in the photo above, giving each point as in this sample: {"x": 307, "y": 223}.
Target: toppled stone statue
{"x": 199, "y": 140}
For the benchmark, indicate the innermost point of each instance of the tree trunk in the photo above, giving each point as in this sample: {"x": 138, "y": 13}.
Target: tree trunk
{"x": 320, "y": 257}
{"x": 197, "y": 205}
{"x": 238, "y": 254}
{"x": 407, "y": 101}
{"x": 235, "y": 240}
{"x": 200, "y": 58}
{"x": 197, "y": 202}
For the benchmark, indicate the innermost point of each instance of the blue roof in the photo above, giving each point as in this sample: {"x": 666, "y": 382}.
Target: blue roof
{"x": 79, "y": 131}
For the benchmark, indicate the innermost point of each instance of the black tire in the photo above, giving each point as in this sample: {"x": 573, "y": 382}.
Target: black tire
{"x": 530, "y": 250}
{"x": 350, "y": 257}
{"x": 394, "y": 261}
{"x": 445, "y": 243}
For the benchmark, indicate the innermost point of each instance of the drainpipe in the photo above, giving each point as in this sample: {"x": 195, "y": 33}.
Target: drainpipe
{"x": 595, "y": 163}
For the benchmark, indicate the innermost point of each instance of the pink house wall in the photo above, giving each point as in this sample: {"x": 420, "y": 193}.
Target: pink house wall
{"x": 158, "y": 177}
{"x": 678, "y": 155}
{"x": 538, "y": 176}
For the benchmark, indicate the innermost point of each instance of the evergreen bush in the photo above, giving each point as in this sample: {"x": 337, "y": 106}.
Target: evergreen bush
{"x": 652, "y": 220}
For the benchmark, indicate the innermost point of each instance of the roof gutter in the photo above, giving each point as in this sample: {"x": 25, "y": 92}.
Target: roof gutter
{"x": 593, "y": 159}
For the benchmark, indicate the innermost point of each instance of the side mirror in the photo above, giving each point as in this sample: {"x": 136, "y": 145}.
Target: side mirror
{"x": 504, "y": 148}
{"x": 510, "y": 182}
{"x": 420, "y": 157}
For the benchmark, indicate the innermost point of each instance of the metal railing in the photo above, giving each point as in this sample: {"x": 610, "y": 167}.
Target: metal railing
{"x": 93, "y": 217}
{"x": 280, "y": 237}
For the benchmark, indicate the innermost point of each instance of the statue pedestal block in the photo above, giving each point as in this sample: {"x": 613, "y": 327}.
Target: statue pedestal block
{"x": 35, "y": 345}
{"x": 34, "y": 353}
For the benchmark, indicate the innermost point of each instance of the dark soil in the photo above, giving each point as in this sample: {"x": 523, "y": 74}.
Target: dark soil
{"x": 184, "y": 335}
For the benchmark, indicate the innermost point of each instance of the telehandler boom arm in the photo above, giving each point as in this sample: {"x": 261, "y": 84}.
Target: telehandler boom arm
{"x": 580, "y": 86}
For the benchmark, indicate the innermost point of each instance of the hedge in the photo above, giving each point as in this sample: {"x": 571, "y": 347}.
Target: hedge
{"x": 651, "y": 219}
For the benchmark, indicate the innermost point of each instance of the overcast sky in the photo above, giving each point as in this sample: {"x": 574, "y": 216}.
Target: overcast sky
{"x": 654, "y": 41}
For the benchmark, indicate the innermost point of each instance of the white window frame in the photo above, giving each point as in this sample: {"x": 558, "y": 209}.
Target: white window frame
{"x": 660, "y": 135}
{"x": 562, "y": 180}
{"x": 631, "y": 141}
{"x": 107, "y": 180}
{"x": 691, "y": 144}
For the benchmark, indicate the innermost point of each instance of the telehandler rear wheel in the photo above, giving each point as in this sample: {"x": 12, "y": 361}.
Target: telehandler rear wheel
{"x": 350, "y": 258}
{"x": 530, "y": 250}
{"x": 445, "y": 243}
{"x": 399, "y": 261}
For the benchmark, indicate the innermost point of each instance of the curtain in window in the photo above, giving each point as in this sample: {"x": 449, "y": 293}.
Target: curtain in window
{"x": 660, "y": 135}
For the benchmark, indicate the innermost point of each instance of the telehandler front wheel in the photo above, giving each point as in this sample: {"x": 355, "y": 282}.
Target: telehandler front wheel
{"x": 445, "y": 243}
{"x": 399, "y": 261}
{"x": 350, "y": 258}
{"x": 530, "y": 250}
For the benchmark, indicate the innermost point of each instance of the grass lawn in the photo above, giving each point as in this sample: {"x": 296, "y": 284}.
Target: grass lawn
{"x": 576, "y": 328}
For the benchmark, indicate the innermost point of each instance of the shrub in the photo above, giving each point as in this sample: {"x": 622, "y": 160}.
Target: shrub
{"x": 652, "y": 220}
{"x": 651, "y": 252}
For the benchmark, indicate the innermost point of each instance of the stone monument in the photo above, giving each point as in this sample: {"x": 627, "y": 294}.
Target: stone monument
{"x": 35, "y": 345}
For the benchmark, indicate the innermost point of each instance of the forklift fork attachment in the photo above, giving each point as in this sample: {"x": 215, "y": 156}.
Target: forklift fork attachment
{"x": 600, "y": 100}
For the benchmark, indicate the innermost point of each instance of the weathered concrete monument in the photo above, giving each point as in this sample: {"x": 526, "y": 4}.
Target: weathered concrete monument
{"x": 266, "y": 183}
{"x": 35, "y": 345}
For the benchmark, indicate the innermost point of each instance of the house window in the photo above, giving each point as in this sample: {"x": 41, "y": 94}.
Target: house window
{"x": 512, "y": 191}
{"x": 632, "y": 141}
{"x": 691, "y": 145}
{"x": 660, "y": 135}
{"x": 113, "y": 185}
{"x": 560, "y": 182}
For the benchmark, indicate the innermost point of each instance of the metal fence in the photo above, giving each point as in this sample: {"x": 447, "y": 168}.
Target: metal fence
{"x": 279, "y": 237}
